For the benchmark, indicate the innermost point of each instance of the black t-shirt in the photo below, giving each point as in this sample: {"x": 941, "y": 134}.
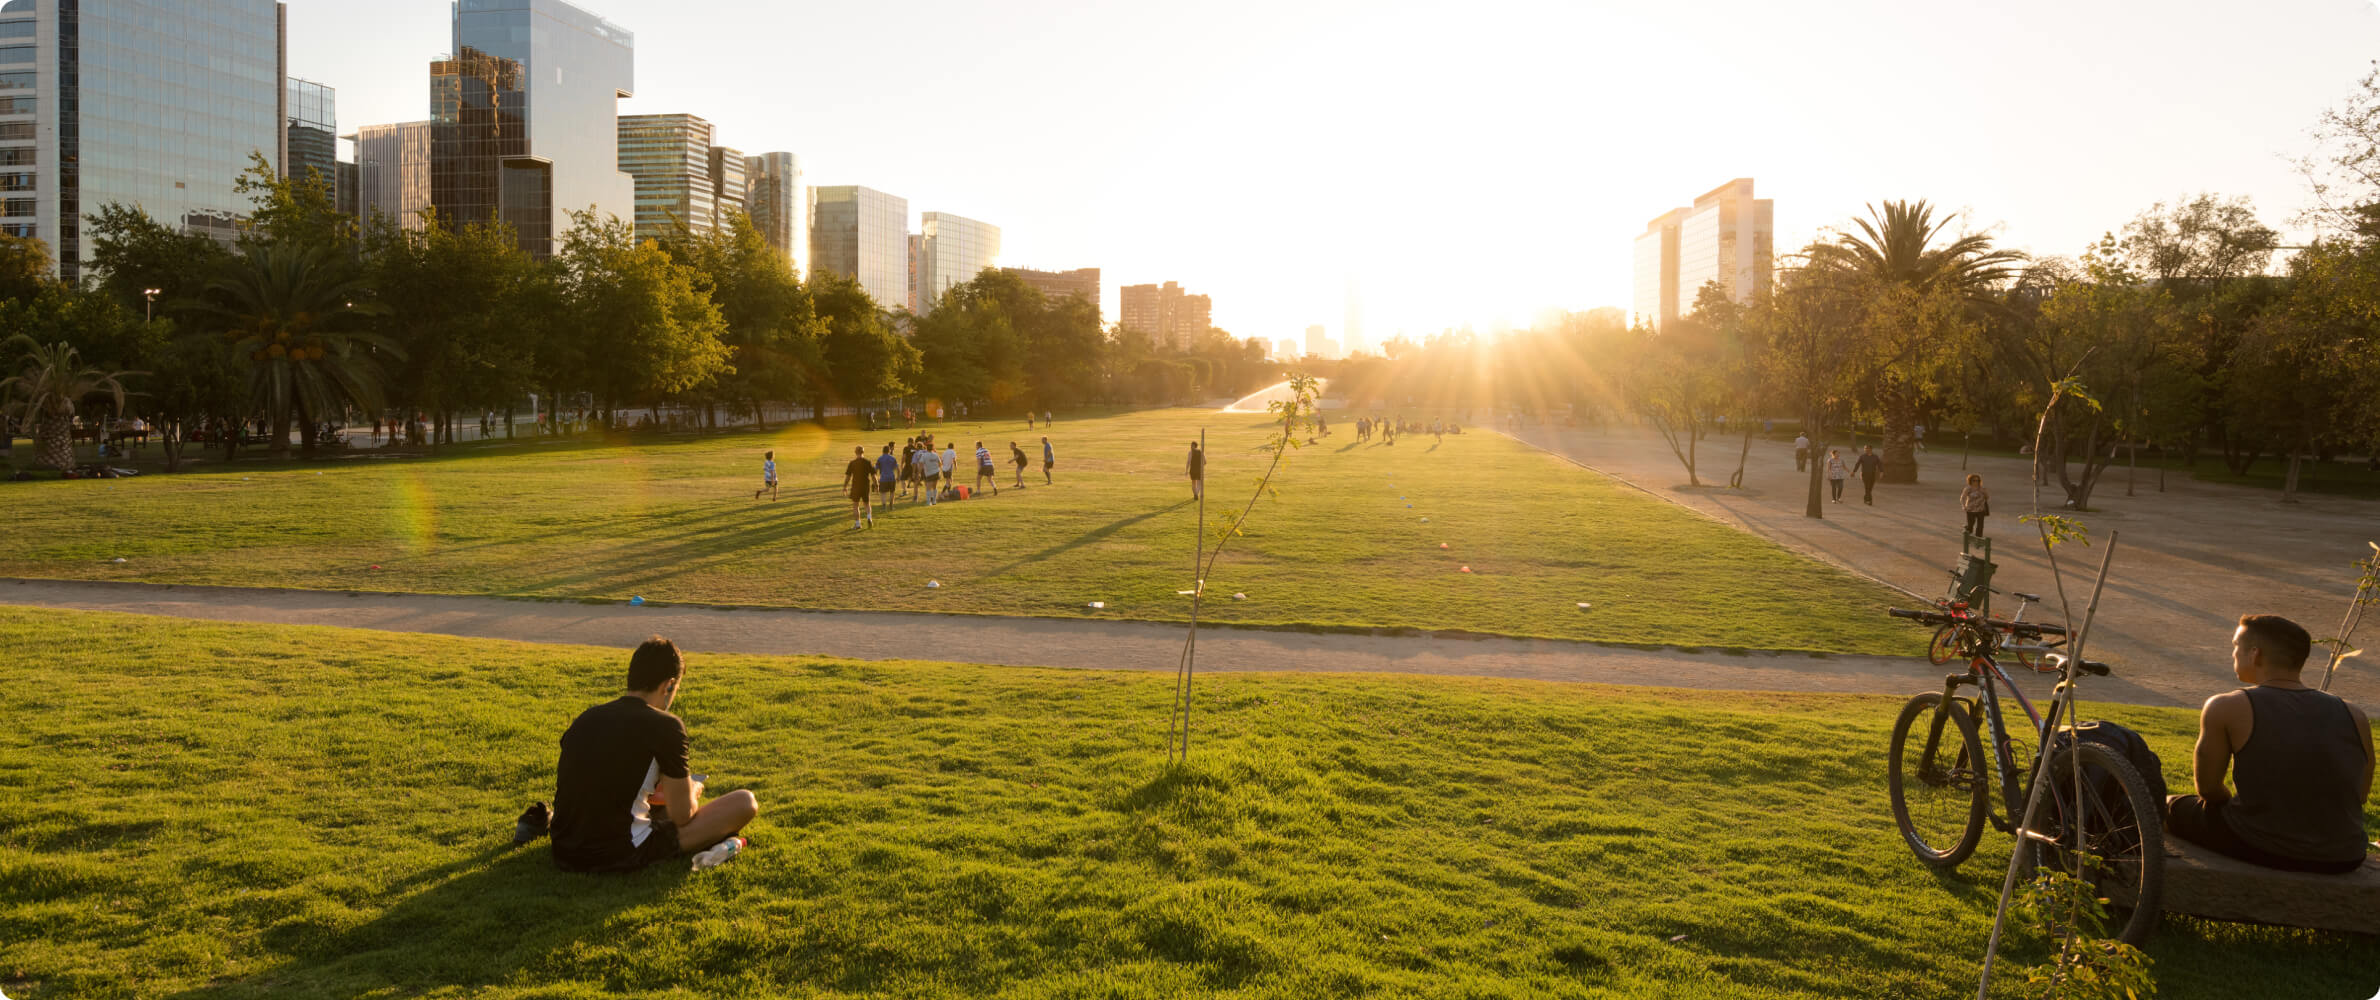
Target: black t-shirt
{"x": 1198, "y": 464}
{"x": 612, "y": 756}
{"x": 859, "y": 473}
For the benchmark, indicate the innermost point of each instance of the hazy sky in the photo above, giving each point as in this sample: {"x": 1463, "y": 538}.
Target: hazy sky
{"x": 1469, "y": 163}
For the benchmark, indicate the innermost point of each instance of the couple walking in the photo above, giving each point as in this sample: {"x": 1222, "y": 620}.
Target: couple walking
{"x": 1868, "y": 466}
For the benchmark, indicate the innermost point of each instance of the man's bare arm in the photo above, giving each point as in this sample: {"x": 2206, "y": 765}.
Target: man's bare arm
{"x": 2364, "y": 723}
{"x": 2212, "y": 759}
{"x": 681, "y": 796}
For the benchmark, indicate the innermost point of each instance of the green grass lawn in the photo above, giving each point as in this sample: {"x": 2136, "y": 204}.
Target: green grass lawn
{"x": 1352, "y": 539}
{"x": 219, "y": 811}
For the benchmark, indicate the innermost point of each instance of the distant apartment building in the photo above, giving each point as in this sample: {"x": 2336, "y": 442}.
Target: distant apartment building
{"x": 157, "y": 104}
{"x": 728, "y": 185}
{"x": 313, "y": 127}
{"x": 1320, "y": 345}
{"x": 525, "y": 119}
{"x": 863, "y": 234}
{"x": 1171, "y": 317}
{"x": 1726, "y": 237}
{"x": 1082, "y": 282}
{"x": 773, "y": 198}
{"x": 392, "y": 165}
{"x": 670, "y": 158}
{"x": 951, "y": 250}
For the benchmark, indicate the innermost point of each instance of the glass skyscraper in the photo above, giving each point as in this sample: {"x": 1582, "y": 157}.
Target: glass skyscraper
{"x": 524, "y": 118}
{"x": 670, "y": 158}
{"x": 152, "y": 103}
{"x": 1726, "y": 238}
{"x": 773, "y": 197}
{"x": 951, "y": 250}
{"x": 313, "y": 131}
{"x": 862, "y": 233}
{"x": 393, "y": 172}
{"x": 728, "y": 182}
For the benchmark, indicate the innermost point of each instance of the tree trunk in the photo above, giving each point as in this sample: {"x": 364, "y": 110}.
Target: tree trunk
{"x": 1817, "y": 506}
{"x": 1742, "y": 457}
{"x": 2289, "y": 482}
{"x": 1899, "y": 403}
{"x": 169, "y": 437}
{"x": 278, "y": 447}
{"x": 57, "y": 443}
{"x": 306, "y": 432}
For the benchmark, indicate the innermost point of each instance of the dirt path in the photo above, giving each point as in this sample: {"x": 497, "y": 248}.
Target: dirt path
{"x": 1044, "y": 642}
{"x": 2189, "y": 562}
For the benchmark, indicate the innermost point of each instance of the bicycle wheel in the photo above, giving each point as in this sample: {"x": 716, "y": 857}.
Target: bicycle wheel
{"x": 2120, "y": 854}
{"x": 1944, "y": 646}
{"x": 1939, "y": 796}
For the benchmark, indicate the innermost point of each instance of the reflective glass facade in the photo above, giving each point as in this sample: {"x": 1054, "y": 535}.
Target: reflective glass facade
{"x": 952, "y": 250}
{"x": 670, "y": 158}
{"x": 862, "y": 233}
{"x": 727, "y": 184}
{"x": 393, "y": 171}
{"x": 153, "y": 103}
{"x": 313, "y": 131}
{"x": 773, "y": 197}
{"x": 527, "y": 109}
{"x": 1726, "y": 238}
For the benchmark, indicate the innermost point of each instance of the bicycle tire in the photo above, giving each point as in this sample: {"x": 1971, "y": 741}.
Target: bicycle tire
{"x": 1958, "y": 771}
{"x": 1945, "y": 645}
{"x": 2126, "y": 831}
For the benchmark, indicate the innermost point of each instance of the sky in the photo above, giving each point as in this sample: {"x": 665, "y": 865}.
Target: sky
{"x": 1453, "y": 165}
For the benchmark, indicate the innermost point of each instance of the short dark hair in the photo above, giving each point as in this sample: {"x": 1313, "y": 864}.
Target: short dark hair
{"x": 654, "y": 663}
{"x": 2286, "y": 641}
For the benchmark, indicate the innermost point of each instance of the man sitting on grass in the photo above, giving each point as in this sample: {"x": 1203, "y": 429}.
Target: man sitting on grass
{"x": 615, "y": 757}
{"x": 2304, "y": 762}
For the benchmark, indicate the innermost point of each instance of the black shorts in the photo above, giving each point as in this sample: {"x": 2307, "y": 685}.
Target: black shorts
{"x": 986, "y": 470}
{"x": 2200, "y": 822}
{"x": 858, "y": 494}
{"x": 661, "y": 844}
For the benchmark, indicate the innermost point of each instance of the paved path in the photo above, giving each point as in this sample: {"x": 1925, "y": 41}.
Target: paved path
{"x": 1046, "y": 642}
{"x": 2189, "y": 562}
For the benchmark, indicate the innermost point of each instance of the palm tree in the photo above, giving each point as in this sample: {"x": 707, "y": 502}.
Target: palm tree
{"x": 292, "y": 310}
{"x": 1895, "y": 252}
{"x": 50, "y": 382}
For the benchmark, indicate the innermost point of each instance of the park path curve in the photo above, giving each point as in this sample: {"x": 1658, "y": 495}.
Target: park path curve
{"x": 1037, "y": 642}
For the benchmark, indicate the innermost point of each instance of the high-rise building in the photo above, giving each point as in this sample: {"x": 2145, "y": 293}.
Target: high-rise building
{"x": 773, "y": 197}
{"x": 1170, "y": 316}
{"x": 726, "y": 174}
{"x": 670, "y": 158}
{"x": 349, "y": 188}
{"x": 156, "y": 104}
{"x": 862, "y": 234}
{"x": 313, "y": 131}
{"x": 1725, "y": 238}
{"x": 1081, "y": 282}
{"x": 951, "y": 250}
{"x": 392, "y": 164}
{"x": 525, "y": 119}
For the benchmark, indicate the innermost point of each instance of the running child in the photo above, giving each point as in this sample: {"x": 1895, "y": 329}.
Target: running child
{"x": 768, "y": 476}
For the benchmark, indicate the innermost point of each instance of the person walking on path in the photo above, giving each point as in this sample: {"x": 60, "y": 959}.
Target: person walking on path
{"x": 768, "y": 476}
{"x": 1801, "y": 453}
{"x": 1836, "y": 472}
{"x": 1198, "y": 472}
{"x": 1016, "y": 456}
{"x": 888, "y": 475}
{"x": 929, "y": 475}
{"x": 1869, "y": 467}
{"x": 1976, "y": 502}
{"x": 859, "y": 476}
{"x": 985, "y": 470}
{"x": 1048, "y": 459}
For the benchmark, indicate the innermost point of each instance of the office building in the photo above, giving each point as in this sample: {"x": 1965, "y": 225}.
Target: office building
{"x": 951, "y": 250}
{"x": 773, "y": 198}
{"x": 392, "y": 164}
{"x": 1082, "y": 282}
{"x": 348, "y": 188}
{"x": 525, "y": 119}
{"x": 1725, "y": 238}
{"x": 313, "y": 125}
{"x": 670, "y": 158}
{"x": 726, "y": 174}
{"x": 156, "y": 104}
{"x": 1171, "y": 317}
{"x": 862, "y": 234}
{"x": 1320, "y": 346}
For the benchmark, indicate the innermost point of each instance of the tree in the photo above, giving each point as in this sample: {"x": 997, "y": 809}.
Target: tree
{"x": 774, "y": 336}
{"x": 1807, "y": 360}
{"x": 25, "y": 268}
{"x": 865, "y": 360}
{"x": 1898, "y": 256}
{"x": 293, "y": 312}
{"x": 646, "y": 331}
{"x": 51, "y": 383}
{"x": 457, "y": 304}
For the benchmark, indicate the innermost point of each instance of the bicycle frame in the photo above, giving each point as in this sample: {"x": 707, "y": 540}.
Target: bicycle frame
{"x": 1984, "y": 672}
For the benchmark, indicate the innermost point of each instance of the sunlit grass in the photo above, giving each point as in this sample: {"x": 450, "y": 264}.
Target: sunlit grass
{"x": 1353, "y": 538}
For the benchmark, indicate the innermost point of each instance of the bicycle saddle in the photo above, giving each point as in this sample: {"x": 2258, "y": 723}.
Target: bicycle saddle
{"x": 2036, "y": 598}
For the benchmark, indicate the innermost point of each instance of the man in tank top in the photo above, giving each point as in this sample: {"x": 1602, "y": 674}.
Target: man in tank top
{"x": 2300, "y": 762}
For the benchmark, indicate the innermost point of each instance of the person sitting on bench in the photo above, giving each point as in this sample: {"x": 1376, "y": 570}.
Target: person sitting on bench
{"x": 615, "y": 756}
{"x": 2304, "y": 762}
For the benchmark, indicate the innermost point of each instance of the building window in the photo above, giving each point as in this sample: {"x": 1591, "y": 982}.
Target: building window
{"x": 16, "y": 105}
{"x": 16, "y": 130}
{"x": 21, "y": 156}
{"x": 17, "y": 81}
{"x": 16, "y": 29}
{"x": 16, "y": 208}
{"x": 18, "y": 181}
{"x": 16, "y": 53}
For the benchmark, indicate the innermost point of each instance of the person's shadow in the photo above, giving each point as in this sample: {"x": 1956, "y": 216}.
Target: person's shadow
{"x": 472, "y": 923}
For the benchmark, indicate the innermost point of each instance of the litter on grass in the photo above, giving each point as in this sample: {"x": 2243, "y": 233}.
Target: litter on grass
{"x": 119, "y": 559}
{"x": 1443, "y": 545}
{"x": 1466, "y": 569}
{"x": 1098, "y": 605}
{"x": 1582, "y": 605}
{"x": 933, "y": 584}
{"x": 1239, "y": 597}
{"x": 636, "y": 602}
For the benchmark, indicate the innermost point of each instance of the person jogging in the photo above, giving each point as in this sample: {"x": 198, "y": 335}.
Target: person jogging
{"x": 888, "y": 475}
{"x": 768, "y": 476}
{"x": 929, "y": 475}
{"x": 1048, "y": 459}
{"x": 1198, "y": 472}
{"x": 985, "y": 470}
{"x": 1016, "y": 456}
{"x": 859, "y": 476}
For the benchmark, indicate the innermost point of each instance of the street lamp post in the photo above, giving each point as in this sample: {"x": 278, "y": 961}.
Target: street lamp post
{"x": 149, "y": 304}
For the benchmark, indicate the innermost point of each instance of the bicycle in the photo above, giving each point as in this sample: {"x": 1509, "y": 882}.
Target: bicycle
{"x": 1944, "y": 644}
{"x": 1940, "y": 782}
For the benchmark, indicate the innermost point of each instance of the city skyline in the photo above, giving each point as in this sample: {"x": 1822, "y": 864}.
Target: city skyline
{"x": 1304, "y": 115}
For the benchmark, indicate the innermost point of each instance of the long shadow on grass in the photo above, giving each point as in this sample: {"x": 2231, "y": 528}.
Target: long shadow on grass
{"x": 483, "y": 926}
{"x": 1086, "y": 538}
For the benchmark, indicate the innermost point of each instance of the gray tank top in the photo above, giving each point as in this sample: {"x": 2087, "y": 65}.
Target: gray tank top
{"x": 2300, "y": 777}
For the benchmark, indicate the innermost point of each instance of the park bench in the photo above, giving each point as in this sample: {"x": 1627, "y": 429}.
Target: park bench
{"x": 2201, "y": 883}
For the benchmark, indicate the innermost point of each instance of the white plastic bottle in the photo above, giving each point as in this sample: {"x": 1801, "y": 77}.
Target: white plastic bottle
{"x": 719, "y": 853}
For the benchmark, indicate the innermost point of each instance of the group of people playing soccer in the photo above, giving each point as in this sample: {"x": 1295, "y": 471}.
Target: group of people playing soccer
{"x": 925, "y": 471}
{"x": 1366, "y": 427}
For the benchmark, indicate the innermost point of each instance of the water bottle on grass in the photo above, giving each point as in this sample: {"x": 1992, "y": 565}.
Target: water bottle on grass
{"x": 719, "y": 853}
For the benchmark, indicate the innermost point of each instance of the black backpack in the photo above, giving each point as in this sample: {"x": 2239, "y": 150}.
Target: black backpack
{"x": 2128, "y": 745}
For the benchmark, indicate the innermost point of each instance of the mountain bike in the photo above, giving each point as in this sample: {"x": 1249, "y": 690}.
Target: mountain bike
{"x": 2018, "y": 636}
{"x": 2109, "y": 831}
